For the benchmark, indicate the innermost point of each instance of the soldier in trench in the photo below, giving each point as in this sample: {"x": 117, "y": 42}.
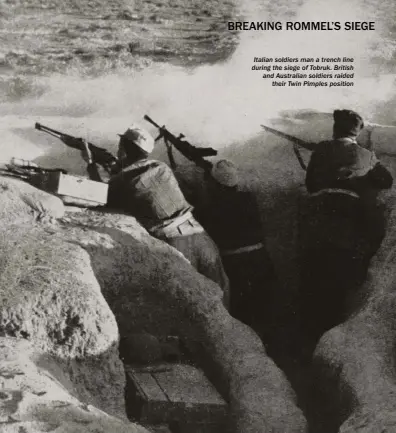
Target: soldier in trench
{"x": 148, "y": 190}
{"x": 343, "y": 223}
{"x": 231, "y": 217}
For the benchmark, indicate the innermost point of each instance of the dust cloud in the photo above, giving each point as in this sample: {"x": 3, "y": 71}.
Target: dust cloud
{"x": 225, "y": 103}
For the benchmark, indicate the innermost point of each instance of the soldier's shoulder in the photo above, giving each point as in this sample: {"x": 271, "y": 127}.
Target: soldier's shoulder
{"x": 323, "y": 143}
{"x": 155, "y": 163}
{"x": 245, "y": 197}
{"x": 148, "y": 165}
{"x": 160, "y": 167}
{"x": 322, "y": 147}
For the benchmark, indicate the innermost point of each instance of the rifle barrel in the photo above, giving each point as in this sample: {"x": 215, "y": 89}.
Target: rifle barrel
{"x": 149, "y": 119}
{"x": 305, "y": 144}
{"x": 43, "y": 128}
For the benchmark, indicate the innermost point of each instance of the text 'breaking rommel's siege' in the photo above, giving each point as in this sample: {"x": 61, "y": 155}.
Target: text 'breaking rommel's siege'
{"x": 301, "y": 25}
{"x": 306, "y": 71}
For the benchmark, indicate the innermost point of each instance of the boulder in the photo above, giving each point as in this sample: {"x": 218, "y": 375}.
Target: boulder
{"x": 50, "y": 296}
{"x": 37, "y": 396}
{"x": 22, "y": 202}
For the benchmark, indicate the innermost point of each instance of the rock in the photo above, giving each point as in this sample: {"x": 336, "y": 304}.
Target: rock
{"x": 22, "y": 202}
{"x": 156, "y": 19}
{"x": 261, "y": 399}
{"x": 371, "y": 420}
{"x": 50, "y": 296}
{"x": 36, "y": 396}
{"x": 129, "y": 16}
{"x": 4, "y": 12}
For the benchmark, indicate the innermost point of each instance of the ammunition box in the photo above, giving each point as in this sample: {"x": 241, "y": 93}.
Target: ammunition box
{"x": 173, "y": 393}
{"x": 74, "y": 187}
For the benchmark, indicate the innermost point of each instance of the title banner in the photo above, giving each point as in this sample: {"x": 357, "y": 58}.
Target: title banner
{"x": 301, "y": 25}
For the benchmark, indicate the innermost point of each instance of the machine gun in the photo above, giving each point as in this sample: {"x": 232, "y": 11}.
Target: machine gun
{"x": 192, "y": 153}
{"x": 100, "y": 156}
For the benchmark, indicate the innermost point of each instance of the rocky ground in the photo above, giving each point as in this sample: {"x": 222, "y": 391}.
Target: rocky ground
{"x": 111, "y": 272}
{"x": 93, "y": 37}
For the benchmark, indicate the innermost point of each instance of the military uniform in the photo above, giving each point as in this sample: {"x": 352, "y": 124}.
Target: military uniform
{"x": 148, "y": 190}
{"x": 342, "y": 225}
{"x": 232, "y": 219}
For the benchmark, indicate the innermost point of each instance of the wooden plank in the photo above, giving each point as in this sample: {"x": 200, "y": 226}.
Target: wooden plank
{"x": 192, "y": 396}
{"x": 189, "y": 427}
{"x": 158, "y": 428}
{"x": 148, "y": 386}
{"x": 174, "y": 392}
{"x": 185, "y": 383}
{"x": 146, "y": 401}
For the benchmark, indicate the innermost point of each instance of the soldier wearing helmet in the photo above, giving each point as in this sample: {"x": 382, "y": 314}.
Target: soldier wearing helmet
{"x": 148, "y": 190}
{"x": 231, "y": 217}
{"x": 342, "y": 225}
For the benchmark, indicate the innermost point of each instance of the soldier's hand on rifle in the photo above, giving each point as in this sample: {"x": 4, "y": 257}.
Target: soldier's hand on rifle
{"x": 86, "y": 153}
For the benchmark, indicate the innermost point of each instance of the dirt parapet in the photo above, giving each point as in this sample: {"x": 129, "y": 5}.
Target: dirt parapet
{"x": 50, "y": 296}
{"x": 36, "y": 395}
{"x": 355, "y": 361}
{"x": 21, "y": 202}
{"x": 52, "y": 280}
{"x": 152, "y": 288}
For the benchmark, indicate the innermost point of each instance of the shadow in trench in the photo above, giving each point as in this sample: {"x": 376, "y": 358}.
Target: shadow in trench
{"x": 291, "y": 341}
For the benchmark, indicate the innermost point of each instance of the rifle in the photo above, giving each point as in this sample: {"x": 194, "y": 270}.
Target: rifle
{"x": 192, "y": 153}
{"x": 100, "y": 156}
{"x": 26, "y": 170}
{"x": 296, "y": 143}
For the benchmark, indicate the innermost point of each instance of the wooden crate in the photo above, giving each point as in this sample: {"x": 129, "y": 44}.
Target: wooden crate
{"x": 190, "y": 427}
{"x": 173, "y": 393}
{"x": 73, "y": 186}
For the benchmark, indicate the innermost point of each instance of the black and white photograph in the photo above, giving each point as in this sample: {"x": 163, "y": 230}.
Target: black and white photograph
{"x": 197, "y": 216}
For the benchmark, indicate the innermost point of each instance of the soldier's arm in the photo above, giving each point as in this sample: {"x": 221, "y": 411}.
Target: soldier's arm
{"x": 92, "y": 168}
{"x": 93, "y": 172}
{"x": 380, "y": 177}
{"x": 311, "y": 174}
{"x": 115, "y": 197}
